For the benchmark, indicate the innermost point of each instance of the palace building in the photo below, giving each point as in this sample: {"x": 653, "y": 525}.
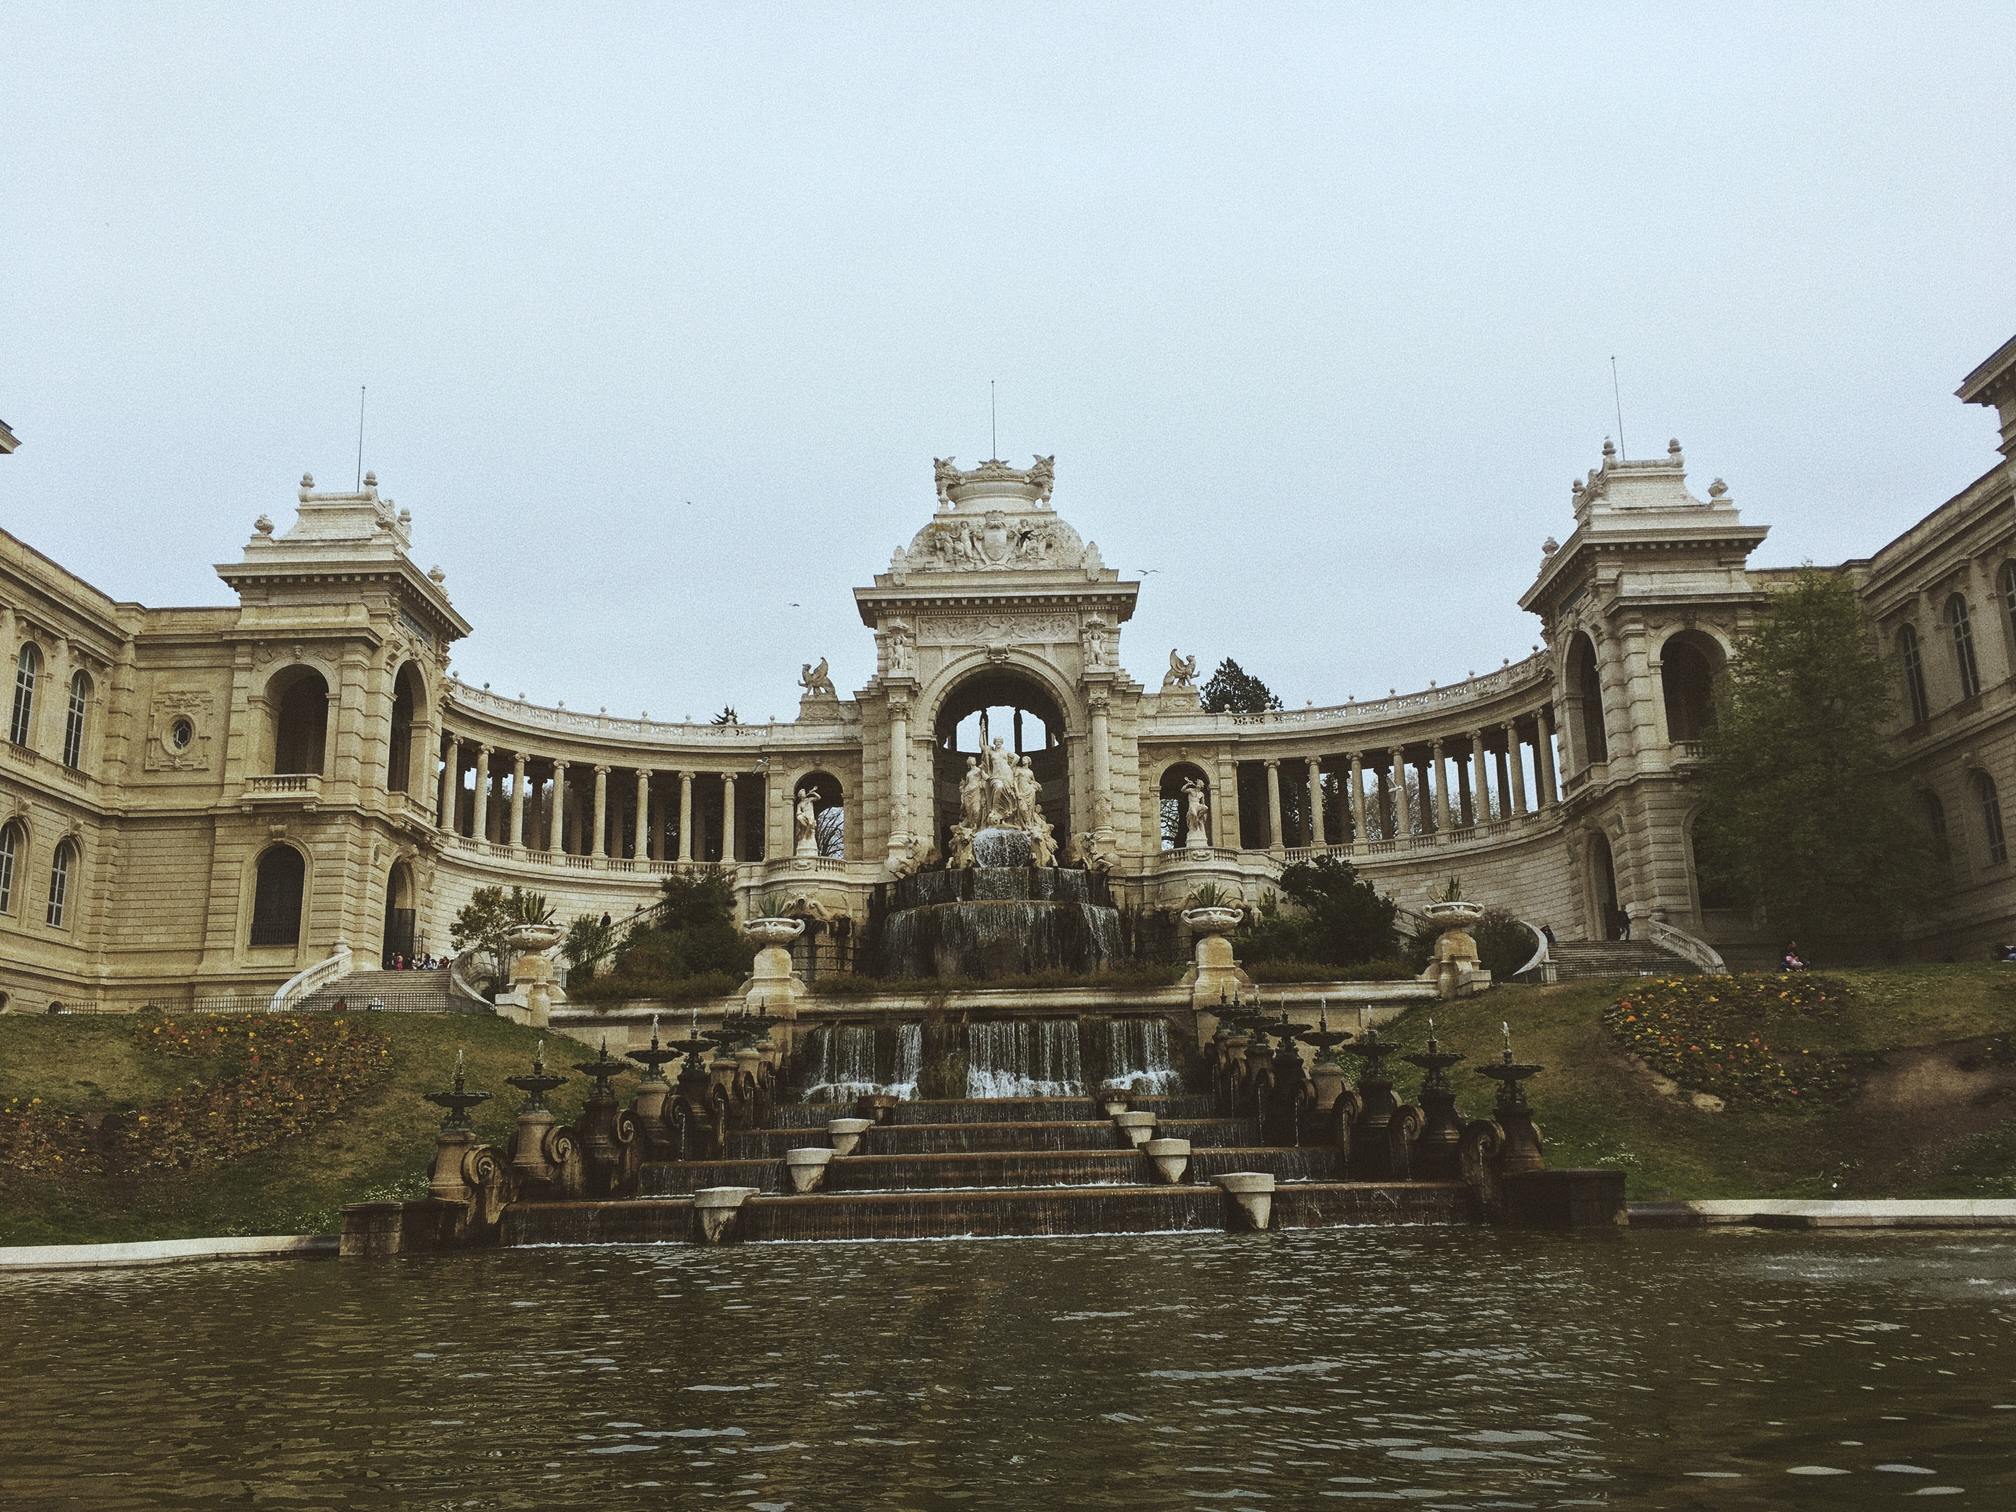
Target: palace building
{"x": 207, "y": 801}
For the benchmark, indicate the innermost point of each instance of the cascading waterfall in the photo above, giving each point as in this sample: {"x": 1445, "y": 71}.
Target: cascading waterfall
{"x": 1024, "y": 1058}
{"x": 846, "y": 1061}
{"x": 1138, "y": 1053}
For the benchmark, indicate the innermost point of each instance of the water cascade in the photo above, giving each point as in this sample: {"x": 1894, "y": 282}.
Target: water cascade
{"x": 847, "y": 1061}
{"x": 1024, "y": 1058}
{"x": 1139, "y": 1056}
{"x": 990, "y": 922}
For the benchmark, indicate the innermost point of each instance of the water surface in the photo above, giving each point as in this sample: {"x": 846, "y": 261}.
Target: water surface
{"x": 1429, "y": 1368}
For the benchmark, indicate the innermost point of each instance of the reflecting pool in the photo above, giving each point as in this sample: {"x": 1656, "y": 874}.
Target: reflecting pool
{"x": 1437, "y": 1368}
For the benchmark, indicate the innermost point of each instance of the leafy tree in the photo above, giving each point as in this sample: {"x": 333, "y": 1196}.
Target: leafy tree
{"x": 1804, "y": 813}
{"x": 1234, "y": 690}
{"x": 693, "y": 934}
{"x": 485, "y": 923}
{"x": 1342, "y": 919}
{"x": 589, "y": 939}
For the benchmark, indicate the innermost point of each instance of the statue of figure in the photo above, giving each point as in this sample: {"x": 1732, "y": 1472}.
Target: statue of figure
{"x": 1001, "y": 770}
{"x": 1086, "y": 843}
{"x": 1028, "y": 795}
{"x": 944, "y": 473}
{"x": 814, "y": 680}
{"x": 1092, "y": 639}
{"x": 1182, "y": 672}
{"x": 897, "y": 644}
{"x": 1042, "y": 842}
{"x": 959, "y": 852}
{"x": 1196, "y": 813}
{"x": 805, "y": 823}
{"x": 1044, "y": 476}
{"x": 973, "y": 796}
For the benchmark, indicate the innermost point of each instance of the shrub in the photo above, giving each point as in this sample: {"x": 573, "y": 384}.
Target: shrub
{"x": 1503, "y": 944}
{"x": 1338, "y": 917}
{"x": 1389, "y": 970}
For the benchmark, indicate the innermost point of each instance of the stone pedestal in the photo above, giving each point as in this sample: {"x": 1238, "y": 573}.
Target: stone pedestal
{"x": 1136, "y": 1128}
{"x": 1249, "y": 1199}
{"x": 714, "y": 1210}
{"x": 1216, "y": 976}
{"x": 534, "y": 993}
{"x": 846, "y": 1133}
{"x": 1329, "y": 1080}
{"x": 773, "y": 986}
{"x": 1170, "y": 1157}
{"x": 806, "y": 1167}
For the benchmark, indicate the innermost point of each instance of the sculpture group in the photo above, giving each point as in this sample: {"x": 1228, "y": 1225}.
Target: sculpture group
{"x": 999, "y": 792}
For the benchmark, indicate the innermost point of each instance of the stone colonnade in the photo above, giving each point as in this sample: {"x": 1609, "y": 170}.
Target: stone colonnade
{"x": 538, "y": 804}
{"x": 1495, "y": 771}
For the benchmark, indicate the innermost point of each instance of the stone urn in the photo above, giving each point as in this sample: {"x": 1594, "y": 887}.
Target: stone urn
{"x": 773, "y": 983}
{"x": 533, "y": 992}
{"x": 1217, "y": 971}
{"x": 1453, "y": 966}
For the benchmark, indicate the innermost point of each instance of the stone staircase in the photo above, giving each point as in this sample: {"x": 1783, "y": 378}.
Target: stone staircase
{"x": 395, "y": 991}
{"x": 1584, "y": 960}
{"x": 990, "y": 1167}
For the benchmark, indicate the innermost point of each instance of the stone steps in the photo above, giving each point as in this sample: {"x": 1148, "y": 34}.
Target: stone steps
{"x": 1584, "y": 960}
{"x": 398, "y": 991}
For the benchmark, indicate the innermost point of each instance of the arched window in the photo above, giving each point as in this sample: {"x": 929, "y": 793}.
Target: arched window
{"x": 1991, "y": 818}
{"x": 27, "y": 668}
{"x": 1963, "y": 646}
{"x": 405, "y": 713}
{"x": 61, "y": 866}
{"x": 829, "y": 815}
{"x": 73, "y": 721}
{"x": 1935, "y": 826}
{"x": 1688, "y": 665}
{"x": 1914, "y": 675}
{"x": 299, "y": 699}
{"x": 1585, "y": 692}
{"x": 13, "y": 845}
{"x": 276, "y": 897}
{"x": 2005, "y": 588}
{"x": 1184, "y": 788}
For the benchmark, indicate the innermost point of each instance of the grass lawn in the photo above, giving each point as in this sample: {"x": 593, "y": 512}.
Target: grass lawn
{"x": 1934, "y": 1115}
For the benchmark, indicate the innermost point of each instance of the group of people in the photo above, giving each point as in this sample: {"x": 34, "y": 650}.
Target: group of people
{"x": 428, "y": 962}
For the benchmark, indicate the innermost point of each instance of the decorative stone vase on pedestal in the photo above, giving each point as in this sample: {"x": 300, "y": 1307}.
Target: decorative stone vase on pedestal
{"x": 534, "y": 993}
{"x": 773, "y": 987}
{"x": 1453, "y": 966}
{"x": 1217, "y": 974}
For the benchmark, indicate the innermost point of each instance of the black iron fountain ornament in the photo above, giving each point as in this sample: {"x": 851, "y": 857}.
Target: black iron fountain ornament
{"x": 458, "y": 1100}
{"x": 538, "y": 1084}
{"x": 1441, "y": 1136}
{"x": 654, "y": 1057}
{"x": 1323, "y": 1038}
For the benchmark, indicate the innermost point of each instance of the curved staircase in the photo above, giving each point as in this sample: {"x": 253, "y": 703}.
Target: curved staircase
{"x": 1588, "y": 960}
{"x": 395, "y": 991}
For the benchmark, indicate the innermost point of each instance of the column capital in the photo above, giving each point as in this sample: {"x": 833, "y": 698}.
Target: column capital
{"x": 1273, "y": 763}
{"x": 518, "y": 761}
{"x": 601, "y": 769}
{"x": 483, "y": 751}
{"x": 684, "y": 775}
{"x": 1435, "y": 745}
{"x": 559, "y": 764}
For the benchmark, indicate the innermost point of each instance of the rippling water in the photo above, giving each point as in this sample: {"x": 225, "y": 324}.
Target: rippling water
{"x": 1433, "y": 1368}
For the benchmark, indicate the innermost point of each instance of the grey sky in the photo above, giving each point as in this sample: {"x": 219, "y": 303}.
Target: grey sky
{"x": 665, "y": 311}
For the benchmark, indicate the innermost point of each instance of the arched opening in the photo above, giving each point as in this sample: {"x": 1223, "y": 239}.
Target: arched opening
{"x": 1603, "y": 888}
{"x": 397, "y": 940}
{"x": 994, "y": 722}
{"x": 278, "y": 890}
{"x": 13, "y": 847}
{"x": 27, "y": 669}
{"x": 819, "y": 816}
{"x": 1990, "y": 802}
{"x": 1585, "y": 696}
{"x": 1913, "y": 666}
{"x": 299, "y": 701}
{"x": 62, "y": 872}
{"x": 1961, "y": 626}
{"x": 407, "y": 721}
{"x": 1689, "y": 665}
{"x": 74, "y": 718}
{"x": 1184, "y": 800}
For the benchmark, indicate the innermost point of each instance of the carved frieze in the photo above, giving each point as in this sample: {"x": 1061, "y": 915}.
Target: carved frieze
{"x": 987, "y": 629}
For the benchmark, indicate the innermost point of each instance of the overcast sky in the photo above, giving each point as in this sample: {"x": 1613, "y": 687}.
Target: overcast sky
{"x": 665, "y": 311}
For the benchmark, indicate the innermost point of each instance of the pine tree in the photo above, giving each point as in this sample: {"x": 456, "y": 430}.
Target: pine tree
{"x": 1234, "y": 690}
{"x": 1804, "y": 810}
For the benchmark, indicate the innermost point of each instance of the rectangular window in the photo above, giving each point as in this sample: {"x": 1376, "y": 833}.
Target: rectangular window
{"x": 59, "y": 886}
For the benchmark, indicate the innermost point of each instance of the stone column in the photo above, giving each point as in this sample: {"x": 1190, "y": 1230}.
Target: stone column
{"x": 1359, "y": 831}
{"x": 685, "y": 816}
{"x": 479, "y": 822}
{"x": 1543, "y": 726}
{"x": 451, "y": 769}
{"x": 1403, "y": 817}
{"x": 1441, "y": 785}
{"x": 728, "y": 818}
{"x": 1102, "y": 767}
{"x": 1480, "y": 785}
{"x": 518, "y": 801}
{"x": 1515, "y": 759}
{"x": 1316, "y": 801}
{"x": 1274, "y": 806}
{"x": 600, "y": 845}
{"x": 556, "y": 829}
{"x": 899, "y": 779}
{"x": 642, "y": 840}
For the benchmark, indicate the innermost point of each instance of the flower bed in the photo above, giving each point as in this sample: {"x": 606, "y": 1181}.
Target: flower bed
{"x": 1737, "y": 1037}
{"x": 262, "y": 1079}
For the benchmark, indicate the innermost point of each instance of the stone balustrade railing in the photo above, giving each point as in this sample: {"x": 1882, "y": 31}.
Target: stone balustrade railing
{"x": 517, "y": 711}
{"x": 1531, "y": 671}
